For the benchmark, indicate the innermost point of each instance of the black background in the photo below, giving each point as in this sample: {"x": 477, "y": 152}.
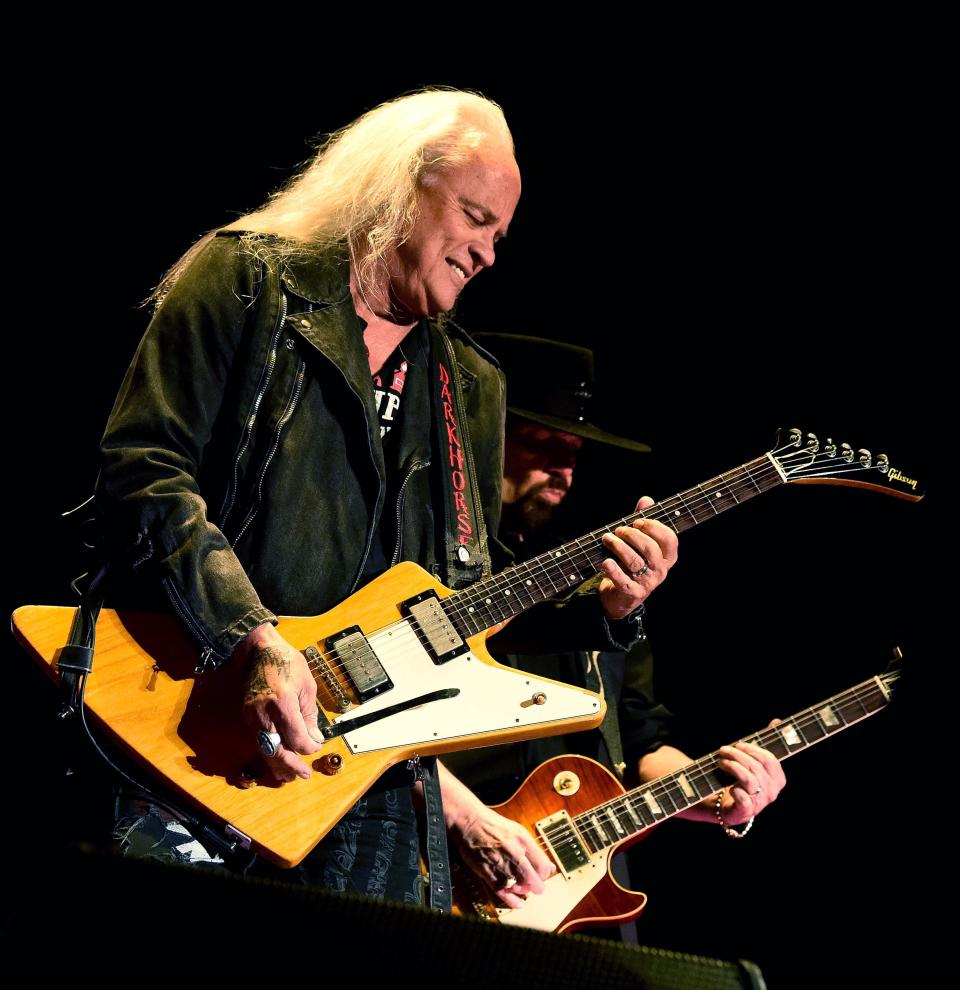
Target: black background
{"x": 744, "y": 250}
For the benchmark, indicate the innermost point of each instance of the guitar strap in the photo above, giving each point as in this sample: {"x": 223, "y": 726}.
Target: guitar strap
{"x": 440, "y": 889}
{"x": 466, "y": 555}
{"x": 610, "y": 726}
{"x": 466, "y": 559}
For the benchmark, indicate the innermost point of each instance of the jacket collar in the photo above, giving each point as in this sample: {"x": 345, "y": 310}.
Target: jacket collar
{"x": 321, "y": 277}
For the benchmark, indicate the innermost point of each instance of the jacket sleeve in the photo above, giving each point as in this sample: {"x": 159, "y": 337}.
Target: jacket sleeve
{"x": 162, "y": 421}
{"x": 574, "y": 622}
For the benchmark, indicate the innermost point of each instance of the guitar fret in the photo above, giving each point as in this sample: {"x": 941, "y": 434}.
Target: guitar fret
{"x": 626, "y": 824}
{"x": 639, "y": 810}
{"x": 665, "y": 798}
{"x": 615, "y": 826}
{"x": 851, "y": 709}
{"x": 730, "y": 489}
{"x": 636, "y": 820}
{"x": 600, "y": 830}
{"x": 677, "y": 521}
{"x": 709, "y": 502}
{"x": 711, "y": 780}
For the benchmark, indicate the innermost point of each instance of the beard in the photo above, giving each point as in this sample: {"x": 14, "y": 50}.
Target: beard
{"x": 534, "y": 510}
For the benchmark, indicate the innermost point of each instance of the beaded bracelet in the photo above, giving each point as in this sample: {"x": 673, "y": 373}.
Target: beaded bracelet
{"x": 728, "y": 830}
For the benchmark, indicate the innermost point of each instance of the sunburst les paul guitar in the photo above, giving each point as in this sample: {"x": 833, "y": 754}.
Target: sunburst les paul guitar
{"x": 581, "y": 816}
{"x": 401, "y": 667}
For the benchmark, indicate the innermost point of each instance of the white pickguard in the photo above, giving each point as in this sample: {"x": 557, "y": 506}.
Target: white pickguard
{"x": 561, "y": 895}
{"x": 490, "y": 698}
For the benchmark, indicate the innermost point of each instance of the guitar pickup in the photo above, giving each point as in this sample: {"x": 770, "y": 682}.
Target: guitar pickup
{"x": 564, "y": 842}
{"x": 354, "y": 656}
{"x": 434, "y": 627}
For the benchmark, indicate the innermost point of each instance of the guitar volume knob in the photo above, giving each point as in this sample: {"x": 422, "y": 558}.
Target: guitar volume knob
{"x": 330, "y": 764}
{"x": 566, "y": 783}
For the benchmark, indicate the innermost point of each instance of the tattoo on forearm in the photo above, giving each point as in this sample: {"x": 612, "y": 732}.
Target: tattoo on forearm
{"x": 258, "y": 685}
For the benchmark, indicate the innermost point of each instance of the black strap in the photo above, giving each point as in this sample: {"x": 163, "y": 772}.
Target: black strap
{"x": 610, "y": 726}
{"x": 440, "y": 890}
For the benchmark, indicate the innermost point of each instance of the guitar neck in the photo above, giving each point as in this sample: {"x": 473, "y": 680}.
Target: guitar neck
{"x": 517, "y": 588}
{"x": 610, "y": 823}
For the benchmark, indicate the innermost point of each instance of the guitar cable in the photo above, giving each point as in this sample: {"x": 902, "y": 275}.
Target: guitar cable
{"x": 75, "y": 663}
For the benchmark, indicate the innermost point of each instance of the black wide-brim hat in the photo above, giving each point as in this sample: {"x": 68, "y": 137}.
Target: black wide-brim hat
{"x": 551, "y": 383}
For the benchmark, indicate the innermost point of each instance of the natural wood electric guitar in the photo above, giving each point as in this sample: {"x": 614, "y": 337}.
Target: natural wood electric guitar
{"x": 581, "y": 816}
{"x": 401, "y": 669}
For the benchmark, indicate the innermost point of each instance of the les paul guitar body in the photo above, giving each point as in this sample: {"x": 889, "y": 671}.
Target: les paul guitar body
{"x": 582, "y": 893}
{"x": 187, "y": 729}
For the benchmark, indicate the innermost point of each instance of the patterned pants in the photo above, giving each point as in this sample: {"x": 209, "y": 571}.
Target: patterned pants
{"x": 373, "y": 851}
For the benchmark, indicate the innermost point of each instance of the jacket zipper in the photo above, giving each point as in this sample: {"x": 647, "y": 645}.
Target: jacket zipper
{"x": 248, "y": 428}
{"x": 210, "y": 656}
{"x": 416, "y": 466}
{"x": 281, "y": 423}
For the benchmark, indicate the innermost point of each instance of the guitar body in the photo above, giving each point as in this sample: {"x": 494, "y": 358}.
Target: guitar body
{"x": 584, "y": 897}
{"x": 188, "y": 730}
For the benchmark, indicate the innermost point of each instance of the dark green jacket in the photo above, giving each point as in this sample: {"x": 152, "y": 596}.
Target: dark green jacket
{"x": 242, "y": 462}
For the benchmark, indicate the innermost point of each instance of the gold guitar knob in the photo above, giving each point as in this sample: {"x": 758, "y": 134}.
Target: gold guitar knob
{"x": 330, "y": 764}
{"x": 539, "y": 698}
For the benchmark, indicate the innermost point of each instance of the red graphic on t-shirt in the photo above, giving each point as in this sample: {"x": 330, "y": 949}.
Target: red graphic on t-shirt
{"x": 388, "y": 411}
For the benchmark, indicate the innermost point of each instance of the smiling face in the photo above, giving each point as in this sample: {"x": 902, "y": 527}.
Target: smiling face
{"x": 464, "y": 211}
{"x": 537, "y": 472}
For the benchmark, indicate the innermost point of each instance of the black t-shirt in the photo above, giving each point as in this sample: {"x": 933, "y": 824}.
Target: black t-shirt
{"x": 390, "y": 391}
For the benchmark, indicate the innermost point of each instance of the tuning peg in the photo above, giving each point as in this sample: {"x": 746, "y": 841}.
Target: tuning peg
{"x": 883, "y": 463}
{"x": 795, "y": 437}
{"x": 866, "y": 458}
{"x": 813, "y": 444}
{"x": 830, "y": 449}
{"x": 846, "y": 452}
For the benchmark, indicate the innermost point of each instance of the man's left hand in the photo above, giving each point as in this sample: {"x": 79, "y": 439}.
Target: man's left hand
{"x": 759, "y": 779}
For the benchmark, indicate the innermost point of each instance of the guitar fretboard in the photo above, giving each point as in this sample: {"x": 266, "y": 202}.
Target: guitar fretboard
{"x": 610, "y": 823}
{"x": 517, "y": 588}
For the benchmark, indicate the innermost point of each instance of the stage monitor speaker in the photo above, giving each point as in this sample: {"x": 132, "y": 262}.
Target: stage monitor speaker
{"x": 86, "y": 909}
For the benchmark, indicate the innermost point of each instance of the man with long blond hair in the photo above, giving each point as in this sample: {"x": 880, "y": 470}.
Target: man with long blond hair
{"x": 276, "y": 444}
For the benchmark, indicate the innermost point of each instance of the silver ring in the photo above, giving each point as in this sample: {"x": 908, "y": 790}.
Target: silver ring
{"x": 643, "y": 570}
{"x": 757, "y": 791}
{"x": 269, "y": 742}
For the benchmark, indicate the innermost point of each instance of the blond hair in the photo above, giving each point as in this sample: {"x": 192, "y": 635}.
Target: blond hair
{"x": 360, "y": 188}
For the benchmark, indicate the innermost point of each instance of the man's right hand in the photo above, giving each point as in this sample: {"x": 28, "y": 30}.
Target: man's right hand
{"x": 280, "y": 697}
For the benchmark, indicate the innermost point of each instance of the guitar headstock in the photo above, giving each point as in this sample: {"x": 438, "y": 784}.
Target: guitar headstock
{"x": 804, "y": 459}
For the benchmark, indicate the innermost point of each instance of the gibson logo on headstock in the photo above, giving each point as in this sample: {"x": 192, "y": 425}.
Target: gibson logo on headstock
{"x": 894, "y": 475}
